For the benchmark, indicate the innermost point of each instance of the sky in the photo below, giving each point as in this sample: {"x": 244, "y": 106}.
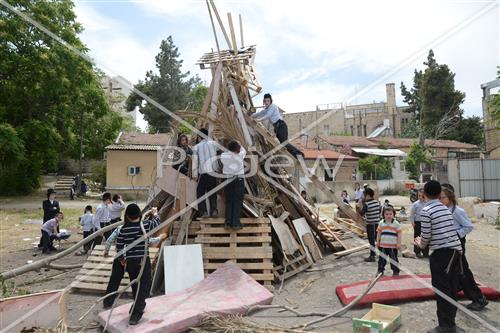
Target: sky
{"x": 308, "y": 52}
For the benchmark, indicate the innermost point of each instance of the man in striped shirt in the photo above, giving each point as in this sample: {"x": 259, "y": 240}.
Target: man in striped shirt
{"x": 131, "y": 256}
{"x": 204, "y": 163}
{"x": 371, "y": 211}
{"x": 439, "y": 233}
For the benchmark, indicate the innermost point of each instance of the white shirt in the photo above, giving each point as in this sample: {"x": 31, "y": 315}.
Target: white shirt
{"x": 101, "y": 215}
{"x": 205, "y": 154}
{"x": 115, "y": 211}
{"x": 271, "y": 112}
{"x": 50, "y": 226}
{"x": 232, "y": 163}
{"x": 358, "y": 194}
{"x": 87, "y": 221}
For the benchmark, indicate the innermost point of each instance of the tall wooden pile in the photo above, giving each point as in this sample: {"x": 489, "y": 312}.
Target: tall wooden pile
{"x": 269, "y": 194}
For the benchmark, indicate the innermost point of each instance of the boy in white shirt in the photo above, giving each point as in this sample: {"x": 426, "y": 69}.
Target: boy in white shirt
{"x": 233, "y": 168}
{"x": 49, "y": 233}
{"x": 88, "y": 228}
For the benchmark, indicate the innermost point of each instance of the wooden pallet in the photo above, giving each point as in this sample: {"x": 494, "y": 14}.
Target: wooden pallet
{"x": 249, "y": 247}
{"x": 193, "y": 229}
{"x": 94, "y": 275}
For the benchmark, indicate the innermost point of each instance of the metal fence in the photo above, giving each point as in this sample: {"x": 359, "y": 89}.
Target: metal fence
{"x": 476, "y": 177}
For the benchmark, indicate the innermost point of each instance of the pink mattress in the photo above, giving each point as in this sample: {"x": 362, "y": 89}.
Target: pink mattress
{"x": 228, "y": 290}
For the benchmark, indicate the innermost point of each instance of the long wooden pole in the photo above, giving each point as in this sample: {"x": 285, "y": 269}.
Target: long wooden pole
{"x": 213, "y": 27}
{"x": 220, "y": 23}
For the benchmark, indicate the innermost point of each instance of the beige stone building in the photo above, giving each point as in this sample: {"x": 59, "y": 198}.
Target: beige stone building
{"x": 368, "y": 120}
{"x": 133, "y": 161}
{"x": 491, "y": 128}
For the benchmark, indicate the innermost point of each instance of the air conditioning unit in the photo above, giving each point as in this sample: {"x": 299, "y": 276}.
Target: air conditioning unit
{"x": 134, "y": 170}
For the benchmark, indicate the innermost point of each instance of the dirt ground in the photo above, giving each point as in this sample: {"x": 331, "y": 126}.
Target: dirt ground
{"x": 308, "y": 291}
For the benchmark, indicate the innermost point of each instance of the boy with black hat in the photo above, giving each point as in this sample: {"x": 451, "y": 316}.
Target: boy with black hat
{"x": 50, "y": 209}
{"x": 132, "y": 257}
{"x": 272, "y": 113}
{"x": 438, "y": 231}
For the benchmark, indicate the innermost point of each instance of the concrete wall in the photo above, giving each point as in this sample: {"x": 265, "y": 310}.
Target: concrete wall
{"x": 117, "y": 163}
{"x": 332, "y": 123}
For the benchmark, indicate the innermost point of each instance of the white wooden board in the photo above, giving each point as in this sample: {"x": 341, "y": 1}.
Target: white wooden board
{"x": 303, "y": 228}
{"x": 183, "y": 266}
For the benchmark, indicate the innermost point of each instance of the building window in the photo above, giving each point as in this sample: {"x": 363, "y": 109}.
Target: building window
{"x": 134, "y": 170}
{"x": 329, "y": 177}
{"x": 364, "y": 130}
{"x": 352, "y": 130}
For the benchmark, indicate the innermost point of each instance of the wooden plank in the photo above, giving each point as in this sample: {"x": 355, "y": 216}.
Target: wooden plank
{"x": 92, "y": 287}
{"x": 241, "y": 117}
{"x": 233, "y": 35}
{"x": 264, "y": 252}
{"x": 243, "y": 265}
{"x": 243, "y": 220}
{"x": 244, "y": 230}
{"x": 215, "y": 96}
{"x": 99, "y": 279}
{"x": 213, "y": 27}
{"x": 97, "y": 272}
{"x": 332, "y": 233}
{"x": 352, "y": 250}
{"x": 220, "y": 23}
{"x": 241, "y": 239}
{"x": 241, "y": 31}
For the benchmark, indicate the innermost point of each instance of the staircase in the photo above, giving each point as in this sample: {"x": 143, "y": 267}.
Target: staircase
{"x": 64, "y": 183}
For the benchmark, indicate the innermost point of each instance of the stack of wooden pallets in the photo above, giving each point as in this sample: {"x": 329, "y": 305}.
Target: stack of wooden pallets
{"x": 95, "y": 273}
{"x": 248, "y": 247}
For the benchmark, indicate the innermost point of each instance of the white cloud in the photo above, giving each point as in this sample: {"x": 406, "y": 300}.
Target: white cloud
{"x": 113, "y": 47}
{"x": 316, "y": 52}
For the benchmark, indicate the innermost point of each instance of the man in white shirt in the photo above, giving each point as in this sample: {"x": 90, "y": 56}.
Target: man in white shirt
{"x": 205, "y": 162}
{"x": 233, "y": 168}
{"x": 272, "y": 113}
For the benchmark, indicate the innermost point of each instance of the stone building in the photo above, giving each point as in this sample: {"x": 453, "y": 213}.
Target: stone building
{"x": 368, "y": 120}
{"x": 491, "y": 130}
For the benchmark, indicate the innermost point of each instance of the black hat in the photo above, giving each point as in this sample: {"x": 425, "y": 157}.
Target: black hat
{"x": 50, "y": 191}
{"x": 133, "y": 211}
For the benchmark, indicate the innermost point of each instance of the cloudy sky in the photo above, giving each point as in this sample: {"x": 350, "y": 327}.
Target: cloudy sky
{"x": 308, "y": 52}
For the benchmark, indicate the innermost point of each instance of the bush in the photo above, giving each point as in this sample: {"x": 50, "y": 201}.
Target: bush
{"x": 390, "y": 191}
{"x": 99, "y": 174}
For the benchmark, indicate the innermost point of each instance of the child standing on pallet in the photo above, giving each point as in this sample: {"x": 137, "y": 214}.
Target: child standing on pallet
{"x": 389, "y": 235}
{"x": 234, "y": 169}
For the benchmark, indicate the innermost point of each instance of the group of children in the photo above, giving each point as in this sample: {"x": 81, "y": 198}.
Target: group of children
{"x": 440, "y": 228}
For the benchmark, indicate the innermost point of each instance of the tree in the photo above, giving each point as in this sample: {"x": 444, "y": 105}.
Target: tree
{"x": 433, "y": 99}
{"x": 170, "y": 87}
{"x": 48, "y": 94}
{"x": 417, "y": 156}
{"x": 494, "y": 104}
{"x": 469, "y": 130}
{"x": 373, "y": 167}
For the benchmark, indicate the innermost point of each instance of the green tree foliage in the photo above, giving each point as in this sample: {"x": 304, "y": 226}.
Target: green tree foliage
{"x": 375, "y": 167}
{"x": 416, "y": 156}
{"x": 470, "y": 130}
{"x": 494, "y": 104}
{"x": 434, "y": 101}
{"x": 47, "y": 94}
{"x": 169, "y": 87}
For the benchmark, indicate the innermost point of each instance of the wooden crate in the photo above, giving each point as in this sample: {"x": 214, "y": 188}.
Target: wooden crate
{"x": 95, "y": 273}
{"x": 249, "y": 247}
{"x": 381, "y": 319}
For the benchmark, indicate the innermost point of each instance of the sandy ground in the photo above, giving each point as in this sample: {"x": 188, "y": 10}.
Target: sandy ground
{"x": 308, "y": 291}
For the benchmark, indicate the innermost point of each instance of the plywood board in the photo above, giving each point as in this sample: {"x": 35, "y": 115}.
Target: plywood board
{"x": 168, "y": 183}
{"x": 183, "y": 266}
{"x": 302, "y": 228}
{"x": 288, "y": 243}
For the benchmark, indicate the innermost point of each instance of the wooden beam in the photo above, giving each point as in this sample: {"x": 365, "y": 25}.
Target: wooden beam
{"x": 220, "y": 23}
{"x": 215, "y": 95}
{"x": 353, "y": 250}
{"x": 241, "y": 117}
{"x": 241, "y": 31}
{"x": 233, "y": 34}
{"x": 213, "y": 27}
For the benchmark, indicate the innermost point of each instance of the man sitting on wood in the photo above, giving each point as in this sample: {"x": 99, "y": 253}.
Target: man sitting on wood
{"x": 272, "y": 113}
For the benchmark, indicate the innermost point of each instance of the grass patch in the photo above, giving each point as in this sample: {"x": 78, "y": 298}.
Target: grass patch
{"x": 17, "y": 216}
